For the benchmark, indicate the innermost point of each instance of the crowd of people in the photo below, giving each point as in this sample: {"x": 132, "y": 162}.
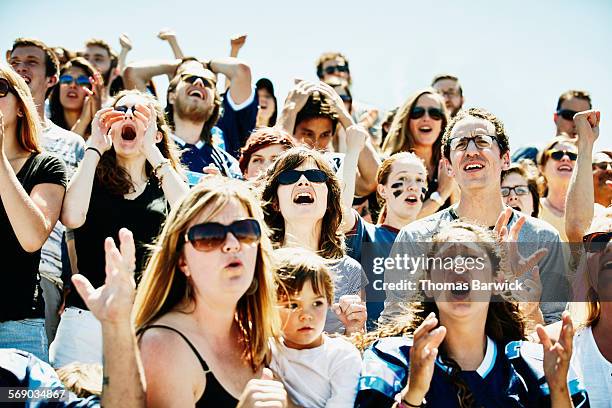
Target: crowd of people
{"x": 222, "y": 251}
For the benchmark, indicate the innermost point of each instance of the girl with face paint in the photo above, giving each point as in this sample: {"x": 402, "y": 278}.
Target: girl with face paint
{"x": 401, "y": 190}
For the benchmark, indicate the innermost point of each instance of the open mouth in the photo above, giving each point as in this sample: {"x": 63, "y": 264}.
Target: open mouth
{"x": 303, "y": 198}
{"x": 27, "y": 79}
{"x": 565, "y": 168}
{"x": 473, "y": 167}
{"x": 517, "y": 208}
{"x": 128, "y": 132}
{"x": 461, "y": 290}
{"x": 72, "y": 94}
{"x": 196, "y": 93}
{"x": 411, "y": 199}
{"x": 425, "y": 129}
{"x": 305, "y": 329}
{"x": 234, "y": 264}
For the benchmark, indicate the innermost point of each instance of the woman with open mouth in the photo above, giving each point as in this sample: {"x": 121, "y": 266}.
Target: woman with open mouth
{"x": 127, "y": 179}
{"x": 556, "y": 162}
{"x": 520, "y": 187}
{"x": 418, "y": 126}
{"x": 76, "y": 97}
{"x": 301, "y": 199}
{"x": 466, "y": 349}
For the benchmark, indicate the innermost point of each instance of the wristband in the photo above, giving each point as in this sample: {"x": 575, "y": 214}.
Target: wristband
{"x": 95, "y": 150}
{"x": 158, "y": 168}
{"x": 436, "y": 197}
{"x": 402, "y": 403}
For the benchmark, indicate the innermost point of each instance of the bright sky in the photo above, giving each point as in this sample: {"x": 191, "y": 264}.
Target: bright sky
{"x": 513, "y": 57}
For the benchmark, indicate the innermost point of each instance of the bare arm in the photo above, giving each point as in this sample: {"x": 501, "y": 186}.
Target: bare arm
{"x": 170, "y": 36}
{"x": 236, "y": 43}
{"x": 126, "y": 46}
{"x": 368, "y": 167}
{"x": 137, "y": 74}
{"x": 580, "y": 194}
{"x": 238, "y": 72}
{"x": 356, "y": 139}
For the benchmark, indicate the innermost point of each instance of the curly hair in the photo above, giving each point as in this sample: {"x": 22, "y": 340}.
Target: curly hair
{"x": 500, "y": 132}
{"x": 331, "y": 243}
{"x": 504, "y": 323}
{"x": 114, "y": 177}
{"x": 262, "y": 138}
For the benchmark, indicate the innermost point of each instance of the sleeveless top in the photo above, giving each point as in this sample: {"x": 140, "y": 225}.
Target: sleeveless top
{"x": 214, "y": 393}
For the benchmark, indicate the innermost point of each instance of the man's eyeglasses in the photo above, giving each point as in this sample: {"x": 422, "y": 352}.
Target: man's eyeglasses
{"x": 332, "y": 69}
{"x": 5, "y": 88}
{"x": 557, "y": 155}
{"x": 596, "y": 241}
{"x": 602, "y": 166}
{"x": 480, "y": 141}
{"x": 434, "y": 113}
{"x": 81, "y": 80}
{"x": 191, "y": 79}
{"x": 209, "y": 236}
{"x": 518, "y": 190}
{"x": 566, "y": 114}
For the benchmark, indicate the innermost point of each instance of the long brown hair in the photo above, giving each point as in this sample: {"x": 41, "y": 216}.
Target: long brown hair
{"x": 28, "y": 124}
{"x": 400, "y": 139}
{"x": 504, "y": 323}
{"x": 331, "y": 243}
{"x": 114, "y": 177}
{"x": 164, "y": 285}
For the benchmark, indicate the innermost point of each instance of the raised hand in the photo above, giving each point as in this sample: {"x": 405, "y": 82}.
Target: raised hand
{"x": 298, "y": 95}
{"x": 237, "y": 42}
{"x": 557, "y": 357}
{"x": 356, "y": 136}
{"x": 264, "y": 392}
{"x": 423, "y": 355}
{"x": 446, "y": 183}
{"x": 352, "y": 313}
{"x": 146, "y": 125}
{"x": 587, "y": 126}
{"x": 112, "y": 302}
{"x": 338, "y": 104}
{"x": 100, "y": 125}
{"x": 166, "y": 34}
{"x": 125, "y": 42}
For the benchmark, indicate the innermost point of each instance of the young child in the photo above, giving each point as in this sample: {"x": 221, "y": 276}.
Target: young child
{"x": 317, "y": 370}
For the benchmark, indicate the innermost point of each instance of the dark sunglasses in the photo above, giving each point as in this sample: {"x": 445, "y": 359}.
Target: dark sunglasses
{"x": 5, "y": 88}
{"x": 209, "y": 236}
{"x": 558, "y": 155}
{"x": 596, "y": 241}
{"x": 312, "y": 175}
{"x": 518, "y": 190}
{"x": 481, "y": 142}
{"x": 191, "y": 79}
{"x": 335, "y": 68}
{"x": 125, "y": 109}
{"x": 601, "y": 165}
{"x": 434, "y": 113}
{"x": 346, "y": 98}
{"x": 81, "y": 80}
{"x": 566, "y": 114}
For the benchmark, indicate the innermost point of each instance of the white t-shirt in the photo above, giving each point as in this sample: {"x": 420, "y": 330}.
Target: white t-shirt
{"x": 593, "y": 369}
{"x": 324, "y": 376}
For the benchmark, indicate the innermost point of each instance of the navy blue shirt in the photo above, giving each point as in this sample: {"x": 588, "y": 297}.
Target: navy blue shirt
{"x": 237, "y": 122}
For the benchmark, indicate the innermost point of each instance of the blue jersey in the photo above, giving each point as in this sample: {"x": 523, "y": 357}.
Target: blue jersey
{"x": 509, "y": 376}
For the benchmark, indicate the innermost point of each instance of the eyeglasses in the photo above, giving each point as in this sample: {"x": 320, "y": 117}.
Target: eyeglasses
{"x": 312, "y": 175}
{"x": 434, "y": 113}
{"x": 449, "y": 93}
{"x": 191, "y": 78}
{"x": 81, "y": 80}
{"x": 335, "y": 68}
{"x": 518, "y": 190}
{"x": 125, "y": 109}
{"x": 596, "y": 241}
{"x": 480, "y": 141}
{"x": 209, "y": 236}
{"x": 566, "y": 114}
{"x": 602, "y": 166}
{"x": 558, "y": 155}
{"x": 5, "y": 88}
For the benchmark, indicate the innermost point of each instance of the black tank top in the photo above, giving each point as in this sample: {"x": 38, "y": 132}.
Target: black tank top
{"x": 214, "y": 393}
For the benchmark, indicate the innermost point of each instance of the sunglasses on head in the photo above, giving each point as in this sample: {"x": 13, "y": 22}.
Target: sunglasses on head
{"x": 480, "y": 141}
{"x": 602, "y": 166}
{"x": 209, "y": 236}
{"x": 566, "y": 114}
{"x": 191, "y": 79}
{"x": 596, "y": 241}
{"x": 518, "y": 190}
{"x": 312, "y": 175}
{"x": 5, "y": 88}
{"x": 81, "y": 80}
{"x": 434, "y": 113}
{"x": 557, "y": 155}
{"x": 335, "y": 68}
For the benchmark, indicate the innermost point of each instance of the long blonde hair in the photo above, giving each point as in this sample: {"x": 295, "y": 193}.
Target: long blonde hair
{"x": 164, "y": 285}
{"x": 28, "y": 125}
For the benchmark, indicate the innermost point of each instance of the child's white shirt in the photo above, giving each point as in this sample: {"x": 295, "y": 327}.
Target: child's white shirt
{"x": 324, "y": 376}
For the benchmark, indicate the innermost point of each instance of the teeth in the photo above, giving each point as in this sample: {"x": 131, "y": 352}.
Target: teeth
{"x": 196, "y": 93}
{"x": 473, "y": 166}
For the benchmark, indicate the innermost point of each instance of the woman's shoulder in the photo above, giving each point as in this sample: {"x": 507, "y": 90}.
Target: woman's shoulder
{"x": 45, "y": 168}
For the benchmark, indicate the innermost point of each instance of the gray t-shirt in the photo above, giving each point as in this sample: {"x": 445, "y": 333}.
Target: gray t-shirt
{"x": 349, "y": 279}
{"x": 412, "y": 240}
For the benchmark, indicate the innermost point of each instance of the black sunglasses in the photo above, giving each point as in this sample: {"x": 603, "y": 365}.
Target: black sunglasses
{"x": 596, "y": 241}
{"x": 558, "y": 155}
{"x": 566, "y": 114}
{"x": 434, "y": 113}
{"x": 602, "y": 166}
{"x": 209, "y": 236}
{"x": 191, "y": 79}
{"x": 335, "y": 68}
{"x": 5, "y": 88}
{"x": 125, "y": 108}
{"x": 312, "y": 175}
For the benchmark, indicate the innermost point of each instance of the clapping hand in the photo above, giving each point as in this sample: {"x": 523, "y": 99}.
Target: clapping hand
{"x": 352, "y": 313}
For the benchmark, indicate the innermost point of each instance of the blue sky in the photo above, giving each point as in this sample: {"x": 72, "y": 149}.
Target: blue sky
{"x": 513, "y": 58}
